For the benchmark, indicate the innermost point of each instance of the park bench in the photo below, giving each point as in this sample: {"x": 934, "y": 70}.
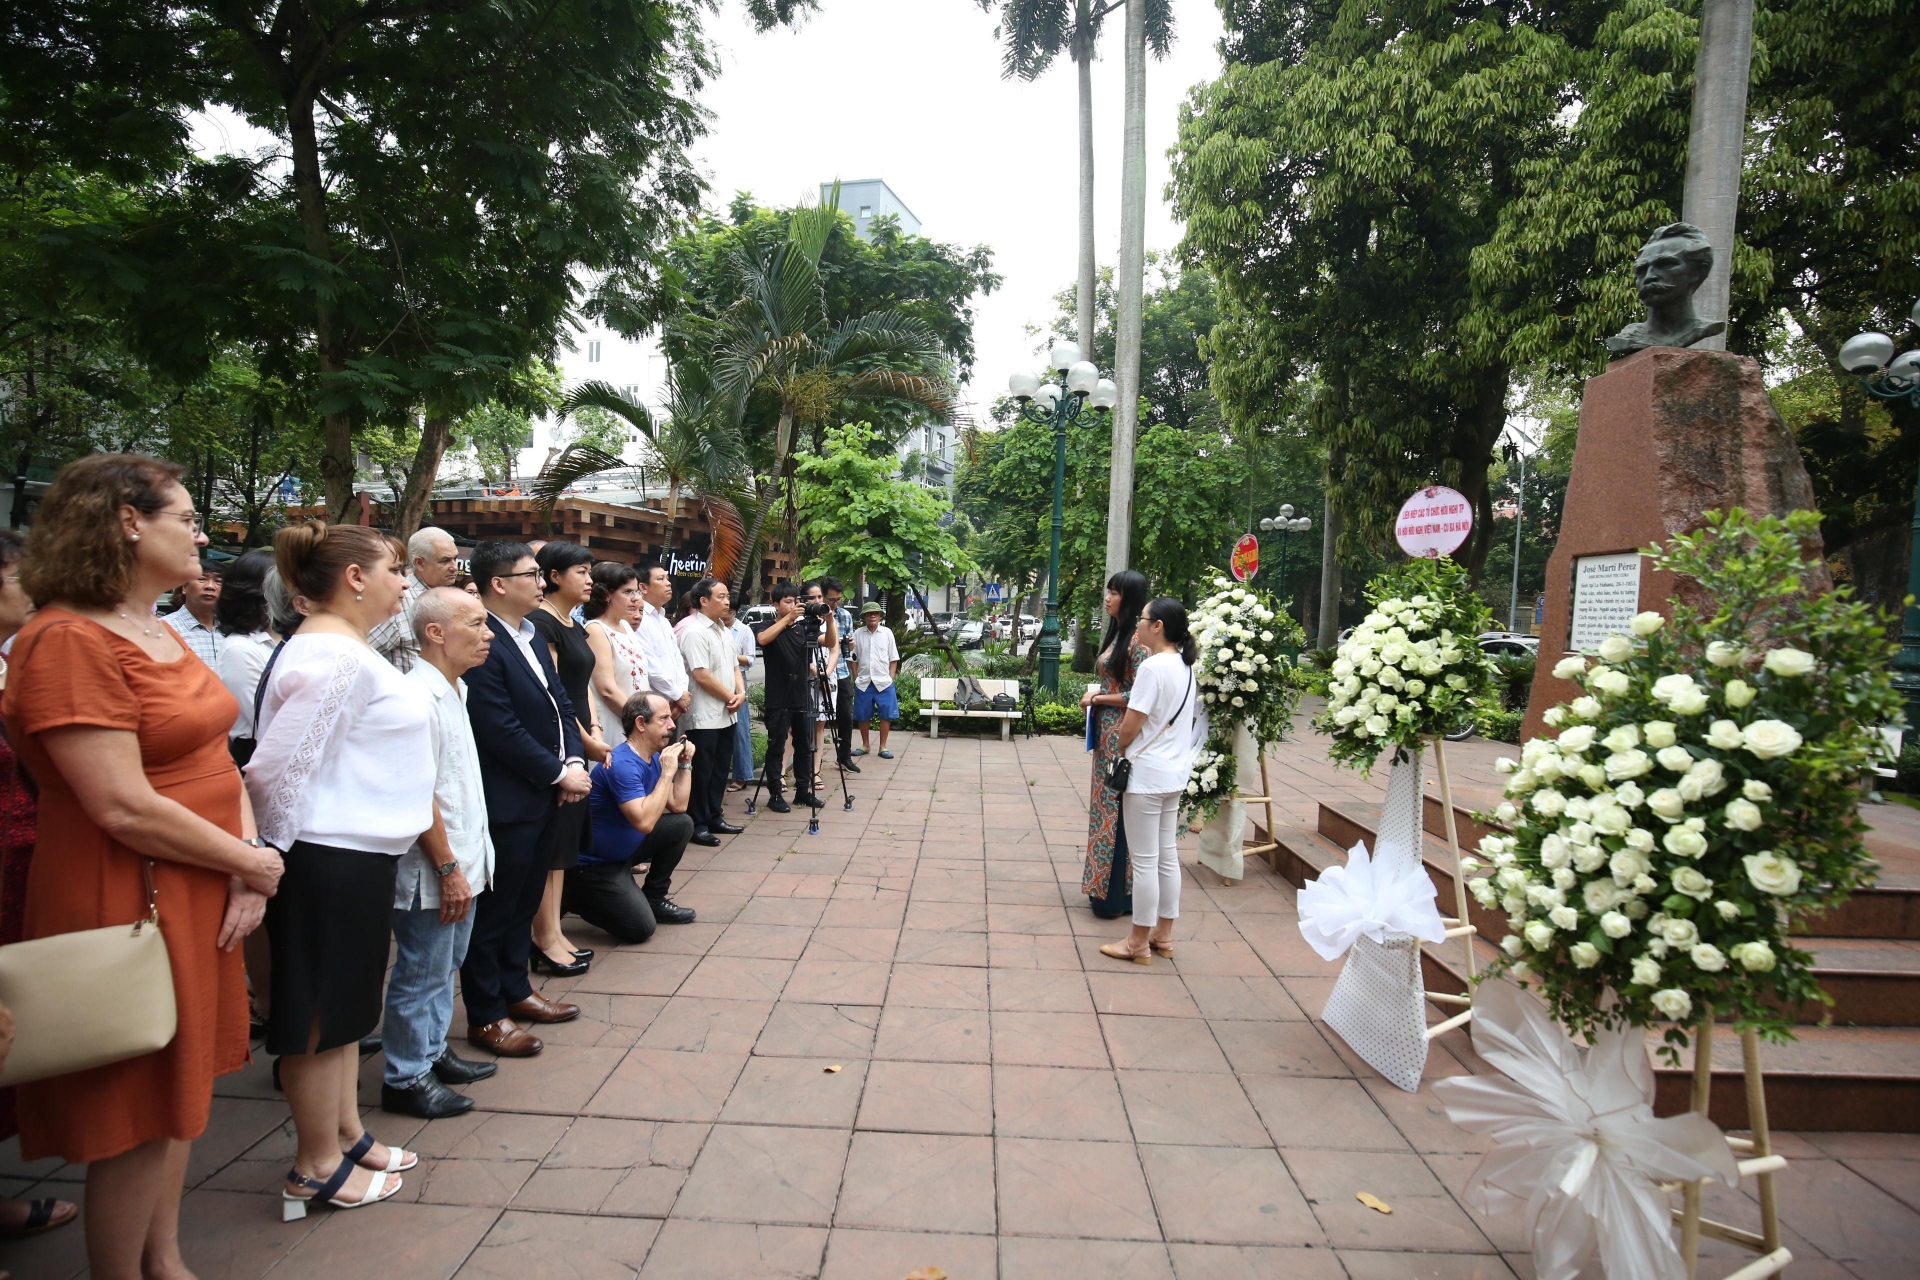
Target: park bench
{"x": 936, "y": 699}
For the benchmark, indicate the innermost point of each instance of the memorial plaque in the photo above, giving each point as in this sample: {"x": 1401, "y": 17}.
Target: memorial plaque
{"x": 1606, "y": 595}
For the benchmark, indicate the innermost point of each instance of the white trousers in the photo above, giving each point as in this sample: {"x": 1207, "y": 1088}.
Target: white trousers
{"x": 1153, "y": 828}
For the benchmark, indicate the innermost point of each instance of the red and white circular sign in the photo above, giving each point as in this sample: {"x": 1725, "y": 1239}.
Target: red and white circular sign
{"x": 1246, "y": 557}
{"x": 1433, "y": 522}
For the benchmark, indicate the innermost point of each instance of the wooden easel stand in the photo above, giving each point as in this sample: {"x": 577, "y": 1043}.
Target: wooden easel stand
{"x": 1458, "y": 926}
{"x": 1760, "y": 1163}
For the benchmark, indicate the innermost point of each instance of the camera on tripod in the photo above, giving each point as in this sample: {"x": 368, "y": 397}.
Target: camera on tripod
{"x": 818, "y": 609}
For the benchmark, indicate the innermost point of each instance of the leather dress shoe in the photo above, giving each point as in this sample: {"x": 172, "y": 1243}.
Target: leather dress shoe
{"x": 505, "y": 1039}
{"x": 779, "y": 805}
{"x": 453, "y": 1069}
{"x": 542, "y": 963}
{"x": 426, "y": 1098}
{"x": 725, "y": 829}
{"x": 667, "y": 911}
{"x": 537, "y": 1008}
{"x": 706, "y": 838}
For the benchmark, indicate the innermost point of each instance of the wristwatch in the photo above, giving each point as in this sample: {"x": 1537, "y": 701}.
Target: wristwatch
{"x": 446, "y": 869}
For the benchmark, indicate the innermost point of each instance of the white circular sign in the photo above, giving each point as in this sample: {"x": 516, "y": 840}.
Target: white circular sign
{"x": 1433, "y": 522}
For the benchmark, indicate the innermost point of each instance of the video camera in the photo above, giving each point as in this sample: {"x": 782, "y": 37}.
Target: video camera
{"x": 817, "y": 609}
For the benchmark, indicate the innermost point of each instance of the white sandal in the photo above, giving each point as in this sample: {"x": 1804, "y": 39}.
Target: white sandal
{"x": 398, "y": 1161}
{"x": 293, "y": 1207}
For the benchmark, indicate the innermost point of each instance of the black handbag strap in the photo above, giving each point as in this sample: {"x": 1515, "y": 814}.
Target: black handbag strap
{"x": 260, "y": 690}
{"x": 1176, "y": 714}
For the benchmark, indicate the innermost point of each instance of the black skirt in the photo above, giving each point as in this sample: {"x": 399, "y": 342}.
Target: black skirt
{"x": 567, "y": 835}
{"x": 328, "y": 930}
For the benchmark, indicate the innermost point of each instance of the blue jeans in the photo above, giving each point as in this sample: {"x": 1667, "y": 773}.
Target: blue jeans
{"x": 420, "y": 992}
{"x": 743, "y": 745}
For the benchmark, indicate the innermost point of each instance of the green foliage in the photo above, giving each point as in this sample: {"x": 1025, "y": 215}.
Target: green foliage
{"x": 863, "y": 521}
{"x": 1412, "y": 669}
{"x": 1706, "y": 788}
{"x": 1188, "y": 490}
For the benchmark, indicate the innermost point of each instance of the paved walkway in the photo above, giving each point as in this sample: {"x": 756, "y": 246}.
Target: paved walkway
{"x": 1006, "y": 1100}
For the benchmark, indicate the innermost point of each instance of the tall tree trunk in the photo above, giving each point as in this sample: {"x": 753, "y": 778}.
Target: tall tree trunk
{"x": 415, "y": 498}
{"x": 1488, "y": 419}
{"x": 1715, "y": 143}
{"x": 1129, "y": 288}
{"x": 1331, "y": 524}
{"x": 750, "y": 556}
{"x": 309, "y": 188}
{"x": 1083, "y": 58}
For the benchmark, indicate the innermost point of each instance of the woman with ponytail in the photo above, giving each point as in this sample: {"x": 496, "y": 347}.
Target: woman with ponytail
{"x": 342, "y": 778}
{"x": 1158, "y": 738}
{"x": 1107, "y": 877}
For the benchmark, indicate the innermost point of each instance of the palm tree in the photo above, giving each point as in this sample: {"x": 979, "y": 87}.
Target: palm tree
{"x": 779, "y": 339}
{"x": 1036, "y": 32}
{"x": 697, "y": 446}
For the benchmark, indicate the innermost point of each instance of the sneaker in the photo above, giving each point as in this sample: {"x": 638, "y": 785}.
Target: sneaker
{"x": 811, "y": 801}
{"x": 850, "y": 766}
{"x": 779, "y": 805}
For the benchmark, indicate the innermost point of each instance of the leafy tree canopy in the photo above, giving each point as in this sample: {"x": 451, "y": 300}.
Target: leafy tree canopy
{"x": 862, "y": 521}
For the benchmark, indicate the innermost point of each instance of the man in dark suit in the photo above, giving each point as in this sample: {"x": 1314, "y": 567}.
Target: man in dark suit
{"x": 530, "y": 763}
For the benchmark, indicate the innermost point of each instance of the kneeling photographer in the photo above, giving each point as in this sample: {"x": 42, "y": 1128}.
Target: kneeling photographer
{"x": 788, "y": 647}
{"x": 638, "y": 807}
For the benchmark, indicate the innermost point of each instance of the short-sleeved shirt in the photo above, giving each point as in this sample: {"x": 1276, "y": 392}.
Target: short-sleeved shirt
{"x": 708, "y": 644}
{"x": 844, "y": 617}
{"x": 789, "y": 661}
{"x": 625, "y": 776}
{"x": 1163, "y": 691}
{"x": 876, "y": 653}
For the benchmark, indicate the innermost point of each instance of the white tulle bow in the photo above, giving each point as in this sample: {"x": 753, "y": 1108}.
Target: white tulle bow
{"x": 1579, "y": 1145}
{"x": 1370, "y": 898}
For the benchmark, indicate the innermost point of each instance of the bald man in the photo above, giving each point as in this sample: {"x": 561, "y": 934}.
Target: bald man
{"x": 434, "y": 562}
{"x": 439, "y": 877}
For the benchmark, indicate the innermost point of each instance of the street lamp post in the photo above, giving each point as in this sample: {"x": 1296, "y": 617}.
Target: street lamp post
{"x": 1870, "y": 357}
{"x": 1519, "y": 523}
{"x": 1044, "y": 404}
{"x": 1283, "y": 524}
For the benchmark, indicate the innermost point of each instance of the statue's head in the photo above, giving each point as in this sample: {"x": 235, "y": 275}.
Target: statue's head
{"x": 1672, "y": 263}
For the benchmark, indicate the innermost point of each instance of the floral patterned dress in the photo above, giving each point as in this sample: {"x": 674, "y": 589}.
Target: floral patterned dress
{"x": 1103, "y": 807}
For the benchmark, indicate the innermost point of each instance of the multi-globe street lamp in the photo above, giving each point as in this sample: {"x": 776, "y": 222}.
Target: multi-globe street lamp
{"x": 1870, "y": 357}
{"x": 1044, "y": 404}
{"x": 1283, "y": 524}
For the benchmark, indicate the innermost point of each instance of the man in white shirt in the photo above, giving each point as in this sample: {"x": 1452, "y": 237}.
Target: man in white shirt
{"x": 743, "y": 718}
{"x": 719, "y": 687}
{"x": 876, "y": 661}
{"x": 435, "y": 562}
{"x": 438, "y": 878}
{"x": 659, "y": 648}
{"x": 194, "y": 618}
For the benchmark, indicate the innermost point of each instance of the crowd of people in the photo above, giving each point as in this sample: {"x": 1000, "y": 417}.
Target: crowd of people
{"x": 342, "y": 748}
{"x": 337, "y": 749}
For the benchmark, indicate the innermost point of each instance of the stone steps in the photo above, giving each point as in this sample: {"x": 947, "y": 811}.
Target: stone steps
{"x": 1859, "y": 1077}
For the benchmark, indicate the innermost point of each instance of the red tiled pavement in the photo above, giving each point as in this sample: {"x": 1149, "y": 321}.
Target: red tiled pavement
{"x": 1008, "y": 1102}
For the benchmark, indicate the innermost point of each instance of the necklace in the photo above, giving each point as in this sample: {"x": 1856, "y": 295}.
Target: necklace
{"x": 145, "y": 631}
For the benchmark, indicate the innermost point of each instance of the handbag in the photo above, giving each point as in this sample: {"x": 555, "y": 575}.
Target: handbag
{"x": 1120, "y": 769}
{"x": 88, "y": 998}
{"x": 1003, "y": 702}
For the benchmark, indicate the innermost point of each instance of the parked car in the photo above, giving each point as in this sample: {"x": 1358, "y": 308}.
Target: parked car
{"x": 758, "y": 616}
{"x": 1029, "y": 627}
{"x": 971, "y": 634}
{"x": 1509, "y": 644}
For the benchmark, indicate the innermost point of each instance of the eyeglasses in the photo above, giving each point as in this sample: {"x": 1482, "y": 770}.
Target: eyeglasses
{"x": 528, "y": 573}
{"x": 191, "y": 517}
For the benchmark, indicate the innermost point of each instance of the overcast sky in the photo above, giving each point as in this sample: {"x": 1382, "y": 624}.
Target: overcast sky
{"x": 910, "y": 91}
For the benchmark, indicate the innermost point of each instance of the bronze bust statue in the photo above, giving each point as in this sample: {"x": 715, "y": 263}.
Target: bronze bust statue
{"x": 1672, "y": 264}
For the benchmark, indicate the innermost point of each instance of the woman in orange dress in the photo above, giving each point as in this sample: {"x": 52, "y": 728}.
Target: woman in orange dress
{"x": 125, "y": 730}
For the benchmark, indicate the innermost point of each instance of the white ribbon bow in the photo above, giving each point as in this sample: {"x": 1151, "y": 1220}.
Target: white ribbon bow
{"x": 1371, "y": 898}
{"x": 1579, "y": 1146}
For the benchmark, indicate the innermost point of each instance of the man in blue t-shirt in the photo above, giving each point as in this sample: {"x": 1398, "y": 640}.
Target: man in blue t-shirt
{"x": 638, "y": 806}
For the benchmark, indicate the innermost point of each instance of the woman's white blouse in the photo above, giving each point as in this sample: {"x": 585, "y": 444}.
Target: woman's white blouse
{"x": 345, "y": 754}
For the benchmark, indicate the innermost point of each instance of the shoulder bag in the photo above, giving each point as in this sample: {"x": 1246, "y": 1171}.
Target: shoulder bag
{"x": 1120, "y": 770}
{"x": 85, "y": 999}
